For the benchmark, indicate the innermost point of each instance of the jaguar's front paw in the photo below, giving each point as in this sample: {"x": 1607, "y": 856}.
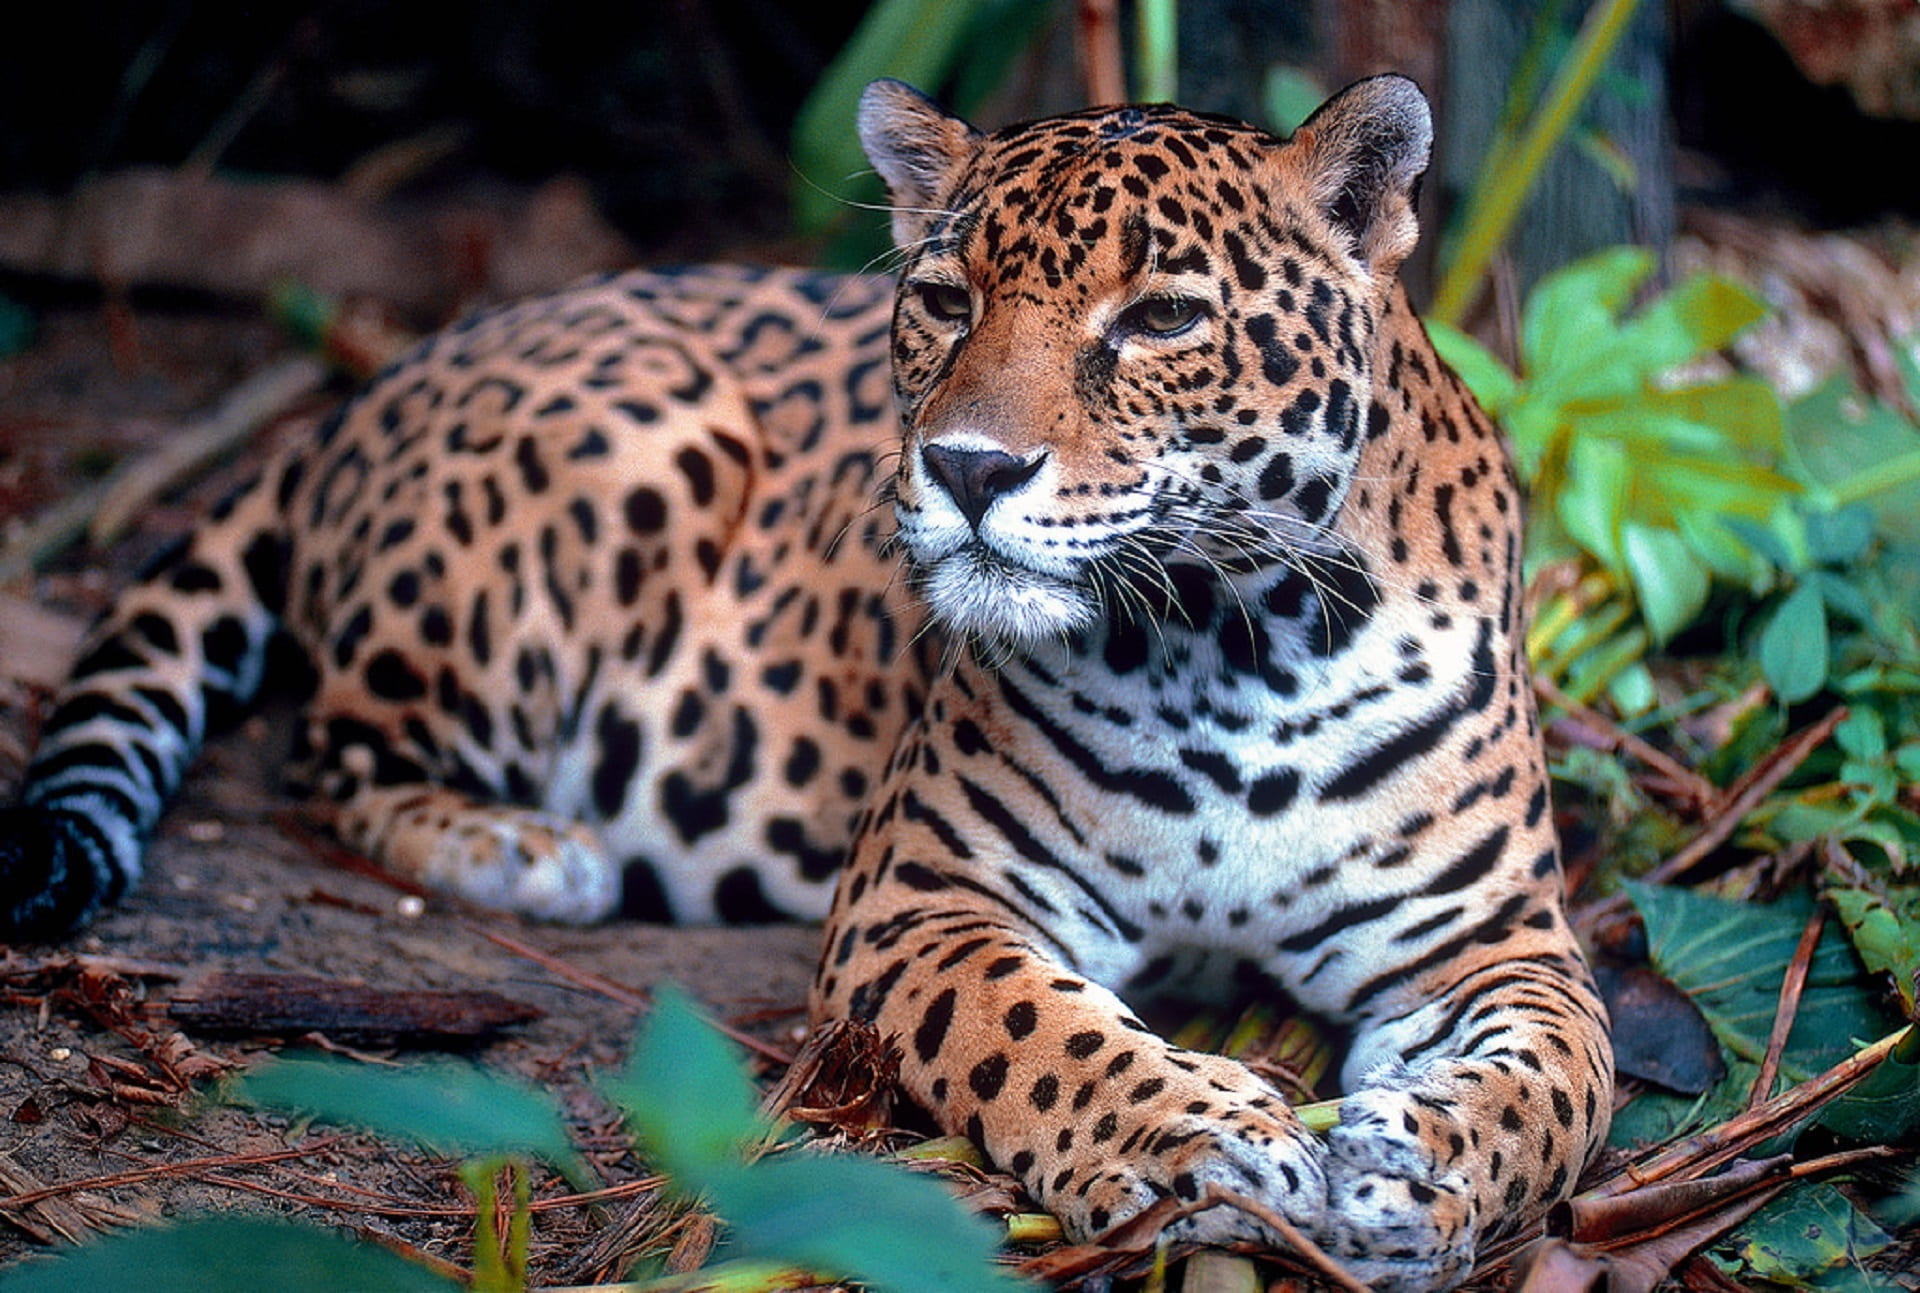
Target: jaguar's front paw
{"x": 1400, "y": 1215}
{"x": 1252, "y": 1148}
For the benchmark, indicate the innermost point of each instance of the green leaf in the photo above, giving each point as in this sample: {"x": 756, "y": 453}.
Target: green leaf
{"x": 1668, "y": 580}
{"x": 687, "y": 1093}
{"x": 918, "y": 41}
{"x": 1491, "y": 381}
{"x": 847, "y": 1216}
{"x": 1591, "y": 507}
{"x": 1845, "y": 443}
{"x": 1699, "y": 316}
{"x": 1887, "y": 938}
{"x": 448, "y": 1108}
{"x": 1571, "y": 311}
{"x": 18, "y": 327}
{"x": 226, "y": 1254}
{"x": 1834, "y": 538}
{"x": 1811, "y": 1233}
{"x": 856, "y": 1217}
{"x": 1731, "y": 957}
{"x": 1793, "y": 646}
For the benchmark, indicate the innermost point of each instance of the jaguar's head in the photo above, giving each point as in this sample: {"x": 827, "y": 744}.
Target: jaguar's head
{"x": 1133, "y": 339}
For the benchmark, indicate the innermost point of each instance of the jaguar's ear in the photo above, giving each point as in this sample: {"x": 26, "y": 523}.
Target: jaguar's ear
{"x": 917, "y": 147}
{"x": 1365, "y": 151}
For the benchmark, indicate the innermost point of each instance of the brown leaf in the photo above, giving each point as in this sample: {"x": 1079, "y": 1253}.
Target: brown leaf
{"x": 845, "y": 1077}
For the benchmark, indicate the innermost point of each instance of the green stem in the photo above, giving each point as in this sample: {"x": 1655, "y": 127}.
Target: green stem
{"x": 1500, "y": 203}
{"x": 1903, "y": 470}
{"x": 1156, "y": 26}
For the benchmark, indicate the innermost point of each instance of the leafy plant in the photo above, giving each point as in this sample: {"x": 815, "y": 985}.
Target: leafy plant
{"x": 691, "y": 1103}
{"x": 1640, "y": 474}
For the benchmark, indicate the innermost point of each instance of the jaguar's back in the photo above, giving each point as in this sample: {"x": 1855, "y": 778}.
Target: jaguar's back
{"x": 612, "y": 555}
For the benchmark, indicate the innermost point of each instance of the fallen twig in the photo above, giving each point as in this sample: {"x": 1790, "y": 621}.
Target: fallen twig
{"x": 1697, "y": 1155}
{"x": 617, "y": 992}
{"x": 186, "y": 1167}
{"x": 260, "y": 398}
{"x": 1741, "y": 798}
{"x": 252, "y": 404}
{"x": 1791, "y": 986}
{"x": 1704, "y": 795}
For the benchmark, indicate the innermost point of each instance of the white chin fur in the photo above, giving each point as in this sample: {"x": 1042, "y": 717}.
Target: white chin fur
{"x": 981, "y": 596}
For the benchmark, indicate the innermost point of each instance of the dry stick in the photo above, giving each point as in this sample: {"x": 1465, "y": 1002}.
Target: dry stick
{"x": 253, "y": 403}
{"x": 1302, "y": 1247}
{"x": 1702, "y": 791}
{"x": 256, "y": 400}
{"x": 1784, "y": 1014}
{"x": 187, "y": 1167}
{"x": 1746, "y": 794}
{"x": 1700, "y": 1154}
{"x": 618, "y": 992}
{"x": 1741, "y": 798}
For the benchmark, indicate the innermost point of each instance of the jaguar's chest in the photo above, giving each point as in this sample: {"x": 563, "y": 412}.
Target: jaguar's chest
{"x": 1210, "y": 801}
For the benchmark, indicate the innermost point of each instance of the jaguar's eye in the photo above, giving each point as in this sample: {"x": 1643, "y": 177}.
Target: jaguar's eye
{"x": 1163, "y": 316}
{"x": 946, "y": 302}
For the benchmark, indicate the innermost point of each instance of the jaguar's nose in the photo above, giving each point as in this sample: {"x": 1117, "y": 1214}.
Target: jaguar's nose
{"x": 975, "y": 477}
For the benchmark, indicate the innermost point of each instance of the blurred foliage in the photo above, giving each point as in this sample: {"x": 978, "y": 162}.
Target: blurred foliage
{"x": 692, "y": 1104}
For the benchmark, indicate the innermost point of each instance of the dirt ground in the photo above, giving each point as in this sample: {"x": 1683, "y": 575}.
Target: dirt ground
{"x": 91, "y": 1081}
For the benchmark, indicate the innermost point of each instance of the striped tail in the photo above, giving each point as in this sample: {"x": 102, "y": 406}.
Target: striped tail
{"x": 183, "y": 646}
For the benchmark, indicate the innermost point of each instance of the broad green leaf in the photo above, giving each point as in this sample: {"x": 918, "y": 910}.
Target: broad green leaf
{"x": 1744, "y": 409}
{"x": 1862, "y": 734}
{"x": 226, "y": 1254}
{"x": 1793, "y": 646}
{"x": 859, "y": 1218}
{"x": 1714, "y": 540}
{"x": 1491, "y": 381}
{"x": 1886, "y": 937}
{"x": 1668, "y": 580}
{"x": 687, "y": 1093}
{"x": 18, "y": 326}
{"x": 447, "y": 1107}
{"x": 1715, "y": 486}
{"x": 1656, "y": 1117}
{"x": 1599, "y": 483}
{"x": 1812, "y": 1234}
{"x": 1844, "y": 443}
{"x": 1571, "y": 311}
{"x": 1699, "y": 316}
{"x": 846, "y": 1216}
{"x": 1842, "y": 596}
{"x": 1731, "y": 957}
{"x": 1839, "y": 536}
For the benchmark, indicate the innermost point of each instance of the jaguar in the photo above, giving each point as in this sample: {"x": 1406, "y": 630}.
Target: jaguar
{"x": 1186, "y": 656}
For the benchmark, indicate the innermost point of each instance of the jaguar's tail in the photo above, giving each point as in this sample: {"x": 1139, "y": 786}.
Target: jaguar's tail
{"x": 186, "y": 642}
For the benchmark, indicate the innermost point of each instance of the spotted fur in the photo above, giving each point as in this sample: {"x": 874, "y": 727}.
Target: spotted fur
{"x": 1222, "y": 684}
